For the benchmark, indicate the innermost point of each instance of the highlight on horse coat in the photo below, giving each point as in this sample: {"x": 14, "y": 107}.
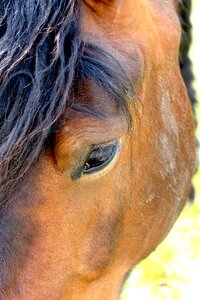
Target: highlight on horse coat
{"x": 96, "y": 141}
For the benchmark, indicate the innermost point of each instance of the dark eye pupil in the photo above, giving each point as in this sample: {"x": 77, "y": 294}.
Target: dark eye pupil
{"x": 100, "y": 156}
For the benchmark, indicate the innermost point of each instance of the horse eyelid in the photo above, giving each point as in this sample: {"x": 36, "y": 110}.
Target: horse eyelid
{"x": 80, "y": 172}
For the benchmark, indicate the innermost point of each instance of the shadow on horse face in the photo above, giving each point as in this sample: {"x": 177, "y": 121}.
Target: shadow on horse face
{"x": 106, "y": 194}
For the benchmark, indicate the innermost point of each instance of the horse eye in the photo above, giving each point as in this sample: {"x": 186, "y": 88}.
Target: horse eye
{"x": 100, "y": 156}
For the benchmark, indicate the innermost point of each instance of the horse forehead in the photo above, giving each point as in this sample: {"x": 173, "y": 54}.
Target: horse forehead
{"x": 134, "y": 10}
{"x": 132, "y": 29}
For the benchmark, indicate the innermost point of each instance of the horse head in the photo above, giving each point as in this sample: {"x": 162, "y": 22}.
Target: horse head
{"x": 97, "y": 143}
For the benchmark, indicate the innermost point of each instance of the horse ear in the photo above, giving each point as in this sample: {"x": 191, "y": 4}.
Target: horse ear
{"x": 109, "y": 10}
{"x": 98, "y": 6}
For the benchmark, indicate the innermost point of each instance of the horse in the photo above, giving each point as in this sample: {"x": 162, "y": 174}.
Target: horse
{"x": 97, "y": 143}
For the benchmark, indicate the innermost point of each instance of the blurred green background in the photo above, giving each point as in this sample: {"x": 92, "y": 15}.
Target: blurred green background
{"x": 172, "y": 272}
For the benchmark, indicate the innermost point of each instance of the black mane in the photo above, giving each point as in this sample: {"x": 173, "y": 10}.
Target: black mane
{"x": 185, "y": 63}
{"x": 185, "y": 8}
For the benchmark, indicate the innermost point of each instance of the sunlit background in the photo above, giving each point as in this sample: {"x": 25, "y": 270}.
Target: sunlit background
{"x": 172, "y": 272}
